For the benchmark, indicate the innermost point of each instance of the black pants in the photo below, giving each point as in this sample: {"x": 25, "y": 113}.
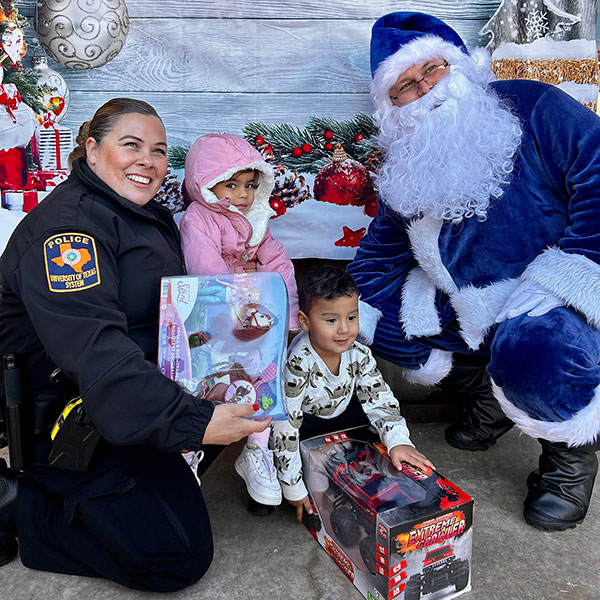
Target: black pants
{"x": 137, "y": 517}
{"x": 353, "y": 416}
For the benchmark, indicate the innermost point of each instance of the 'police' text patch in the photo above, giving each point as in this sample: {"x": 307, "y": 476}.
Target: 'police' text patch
{"x": 71, "y": 262}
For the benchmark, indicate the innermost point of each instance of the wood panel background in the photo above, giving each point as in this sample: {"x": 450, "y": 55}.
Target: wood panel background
{"x": 214, "y": 65}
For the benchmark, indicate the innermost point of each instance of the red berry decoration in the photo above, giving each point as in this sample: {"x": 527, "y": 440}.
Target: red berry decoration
{"x": 297, "y": 152}
{"x": 328, "y": 146}
{"x": 345, "y": 181}
{"x": 358, "y": 137}
{"x": 306, "y": 148}
{"x": 269, "y": 149}
{"x": 278, "y": 206}
{"x": 259, "y": 140}
{"x": 328, "y": 135}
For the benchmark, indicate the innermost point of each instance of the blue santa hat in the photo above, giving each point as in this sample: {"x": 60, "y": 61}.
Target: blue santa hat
{"x": 400, "y": 40}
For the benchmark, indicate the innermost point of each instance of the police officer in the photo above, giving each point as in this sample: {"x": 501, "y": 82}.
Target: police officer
{"x": 80, "y": 283}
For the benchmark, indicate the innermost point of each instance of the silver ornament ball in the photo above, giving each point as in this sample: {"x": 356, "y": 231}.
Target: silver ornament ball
{"x": 82, "y": 34}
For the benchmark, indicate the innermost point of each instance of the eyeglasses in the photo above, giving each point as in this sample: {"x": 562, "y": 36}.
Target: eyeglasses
{"x": 410, "y": 90}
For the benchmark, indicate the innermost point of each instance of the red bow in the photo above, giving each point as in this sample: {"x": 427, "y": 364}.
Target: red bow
{"x": 11, "y": 102}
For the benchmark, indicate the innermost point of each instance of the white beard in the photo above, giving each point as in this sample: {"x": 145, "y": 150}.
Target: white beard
{"x": 449, "y": 153}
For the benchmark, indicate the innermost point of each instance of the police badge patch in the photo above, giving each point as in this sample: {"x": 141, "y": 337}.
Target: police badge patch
{"x": 71, "y": 262}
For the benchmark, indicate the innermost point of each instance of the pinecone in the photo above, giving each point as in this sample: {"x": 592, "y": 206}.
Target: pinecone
{"x": 290, "y": 187}
{"x": 169, "y": 194}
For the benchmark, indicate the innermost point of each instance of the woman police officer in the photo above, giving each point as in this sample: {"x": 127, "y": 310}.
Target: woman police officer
{"x": 79, "y": 291}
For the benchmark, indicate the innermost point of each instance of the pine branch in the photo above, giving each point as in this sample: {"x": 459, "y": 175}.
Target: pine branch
{"x": 176, "y": 156}
{"x": 26, "y": 82}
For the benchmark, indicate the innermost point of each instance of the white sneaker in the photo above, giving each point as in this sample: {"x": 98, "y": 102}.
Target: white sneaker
{"x": 193, "y": 459}
{"x": 255, "y": 466}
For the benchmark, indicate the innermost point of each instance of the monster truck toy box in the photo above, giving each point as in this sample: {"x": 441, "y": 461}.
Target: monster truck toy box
{"x": 395, "y": 534}
{"x": 223, "y": 338}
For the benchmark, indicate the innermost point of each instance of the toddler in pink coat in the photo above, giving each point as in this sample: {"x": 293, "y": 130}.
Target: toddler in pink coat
{"x": 225, "y": 230}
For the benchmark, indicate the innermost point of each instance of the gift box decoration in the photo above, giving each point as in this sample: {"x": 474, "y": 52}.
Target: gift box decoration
{"x": 22, "y": 200}
{"x": 52, "y": 144}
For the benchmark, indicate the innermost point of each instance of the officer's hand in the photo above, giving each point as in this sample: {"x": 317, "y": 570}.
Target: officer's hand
{"x": 228, "y": 424}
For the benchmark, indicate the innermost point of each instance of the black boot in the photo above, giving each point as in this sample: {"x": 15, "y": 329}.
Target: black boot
{"x": 9, "y": 488}
{"x": 560, "y": 490}
{"x": 482, "y": 421}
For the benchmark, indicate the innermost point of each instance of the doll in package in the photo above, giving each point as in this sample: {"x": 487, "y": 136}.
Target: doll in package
{"x": 223, "y": 337}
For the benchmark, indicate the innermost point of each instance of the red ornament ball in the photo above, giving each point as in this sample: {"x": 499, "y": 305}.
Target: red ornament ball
{"x": 328, "y": 135}
{"x": 306, "y": 148}
{"x": 296, "y": 152}
{"x": 269, "y": 149}
{"x": 345, "y": 182}
{"x": 278, "y": 206}
{"x": 328, "y": 146}
{"x": 259, "y": 140}
{"x": 358, "y": 137}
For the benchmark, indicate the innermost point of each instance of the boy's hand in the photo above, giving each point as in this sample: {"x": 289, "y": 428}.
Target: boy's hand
{"x": 404, "y": 452}
{"x": 304, "y": 503}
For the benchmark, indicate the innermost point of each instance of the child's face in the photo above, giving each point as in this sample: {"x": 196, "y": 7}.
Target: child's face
{"x": 332, "y": 325}
{"x": 239, "y": 189}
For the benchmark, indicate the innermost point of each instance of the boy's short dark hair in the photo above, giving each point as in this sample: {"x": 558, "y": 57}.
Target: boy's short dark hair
{"x": 324, "y": 281}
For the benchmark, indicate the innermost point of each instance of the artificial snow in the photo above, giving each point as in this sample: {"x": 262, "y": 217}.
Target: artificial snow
{"x": 546, "y": 48}
{"x": 583, "y": 92}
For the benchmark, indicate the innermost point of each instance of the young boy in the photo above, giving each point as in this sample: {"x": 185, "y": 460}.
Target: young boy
{"x": 332, "y": 382}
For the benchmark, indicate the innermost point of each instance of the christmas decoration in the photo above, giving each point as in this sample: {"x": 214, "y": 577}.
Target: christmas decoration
{"x": 350, "y": 238}
{"x": 53, "y": 87}
{"x": 52, "y": 144}
{"x": 308, "y": 150}
{"x": 538, "y": 40}
{"x": 82, "y": 35}
{"x": 12, "y": 50}
{"x": 169, "y": 194}
{"x": 13, "y": 168}
{"x": 344, "y": 181}
{"x": 259, "y": 140}
{"x": 290, "y": 189}
{"x": 12, "y": 43}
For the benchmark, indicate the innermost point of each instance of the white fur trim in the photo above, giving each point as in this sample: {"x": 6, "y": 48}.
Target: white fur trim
{"x": 418, "y": 314}
{"x": 574, "y": 278}
{"x": 438, "y": 366}
{"x": 423, "y": 234}
{"x": 367, "y": 319}
{"x": 580, "y": 429}
{"x": 260, "y": 212}
{"x": 477, "y": 308}
{"x": 417, "y": 51}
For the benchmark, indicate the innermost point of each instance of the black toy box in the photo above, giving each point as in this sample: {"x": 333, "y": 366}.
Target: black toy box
{"x": 395, "y": 534}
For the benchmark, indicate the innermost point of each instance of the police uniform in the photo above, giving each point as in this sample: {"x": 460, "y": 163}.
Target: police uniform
{"x": 79, "y": 283}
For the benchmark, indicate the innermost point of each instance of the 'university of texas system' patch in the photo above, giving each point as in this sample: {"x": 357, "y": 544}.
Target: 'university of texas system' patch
{"x": 71, "y": 262}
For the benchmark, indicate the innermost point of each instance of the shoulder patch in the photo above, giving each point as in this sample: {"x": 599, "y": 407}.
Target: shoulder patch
{"x": 71, "y": 262}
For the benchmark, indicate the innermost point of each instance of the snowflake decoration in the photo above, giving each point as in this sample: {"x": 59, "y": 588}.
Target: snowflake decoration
{"x": 535, "y": 24}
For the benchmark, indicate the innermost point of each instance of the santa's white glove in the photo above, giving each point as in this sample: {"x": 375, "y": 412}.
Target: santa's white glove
{"x": 530, "y": 298}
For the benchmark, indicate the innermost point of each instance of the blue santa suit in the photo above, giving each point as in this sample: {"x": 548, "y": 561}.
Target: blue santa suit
{"x": 441, "y": 285}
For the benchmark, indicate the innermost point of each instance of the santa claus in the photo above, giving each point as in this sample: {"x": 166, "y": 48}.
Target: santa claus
{"x": 483, "y": 260}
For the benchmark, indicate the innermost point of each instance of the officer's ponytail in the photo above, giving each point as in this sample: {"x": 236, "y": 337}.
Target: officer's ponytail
{"x": 105, "y": 119}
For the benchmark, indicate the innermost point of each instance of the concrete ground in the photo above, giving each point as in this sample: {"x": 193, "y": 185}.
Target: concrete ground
{"x": 275, "y": 557}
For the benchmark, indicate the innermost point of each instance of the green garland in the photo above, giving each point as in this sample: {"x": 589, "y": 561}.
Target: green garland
{"x": 307, "y": 150}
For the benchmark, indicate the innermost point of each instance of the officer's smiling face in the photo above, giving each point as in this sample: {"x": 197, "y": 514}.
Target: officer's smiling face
{"x": 132, "y": 157}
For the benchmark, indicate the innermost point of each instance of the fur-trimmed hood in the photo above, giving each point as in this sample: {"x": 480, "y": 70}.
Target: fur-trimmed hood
{"x": 216, "y": 157}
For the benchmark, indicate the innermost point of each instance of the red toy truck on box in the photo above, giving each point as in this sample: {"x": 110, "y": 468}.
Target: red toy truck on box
{"x": 395, "y": 534}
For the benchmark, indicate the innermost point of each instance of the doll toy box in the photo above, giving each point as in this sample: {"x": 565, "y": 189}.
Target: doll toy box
{"x": 223, "y": 337}
{"x": 395, "y": 534}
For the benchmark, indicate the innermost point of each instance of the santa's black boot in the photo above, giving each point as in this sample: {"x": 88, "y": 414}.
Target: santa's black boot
{"x": 560, "y": 490}
{"x": 482, "y": 421}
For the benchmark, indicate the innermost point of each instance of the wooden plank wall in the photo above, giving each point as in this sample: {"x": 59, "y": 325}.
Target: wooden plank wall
{"x": 214, "y": 65}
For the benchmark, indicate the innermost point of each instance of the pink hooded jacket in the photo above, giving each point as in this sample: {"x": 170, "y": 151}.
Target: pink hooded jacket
{"x": 217, "y": 237}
